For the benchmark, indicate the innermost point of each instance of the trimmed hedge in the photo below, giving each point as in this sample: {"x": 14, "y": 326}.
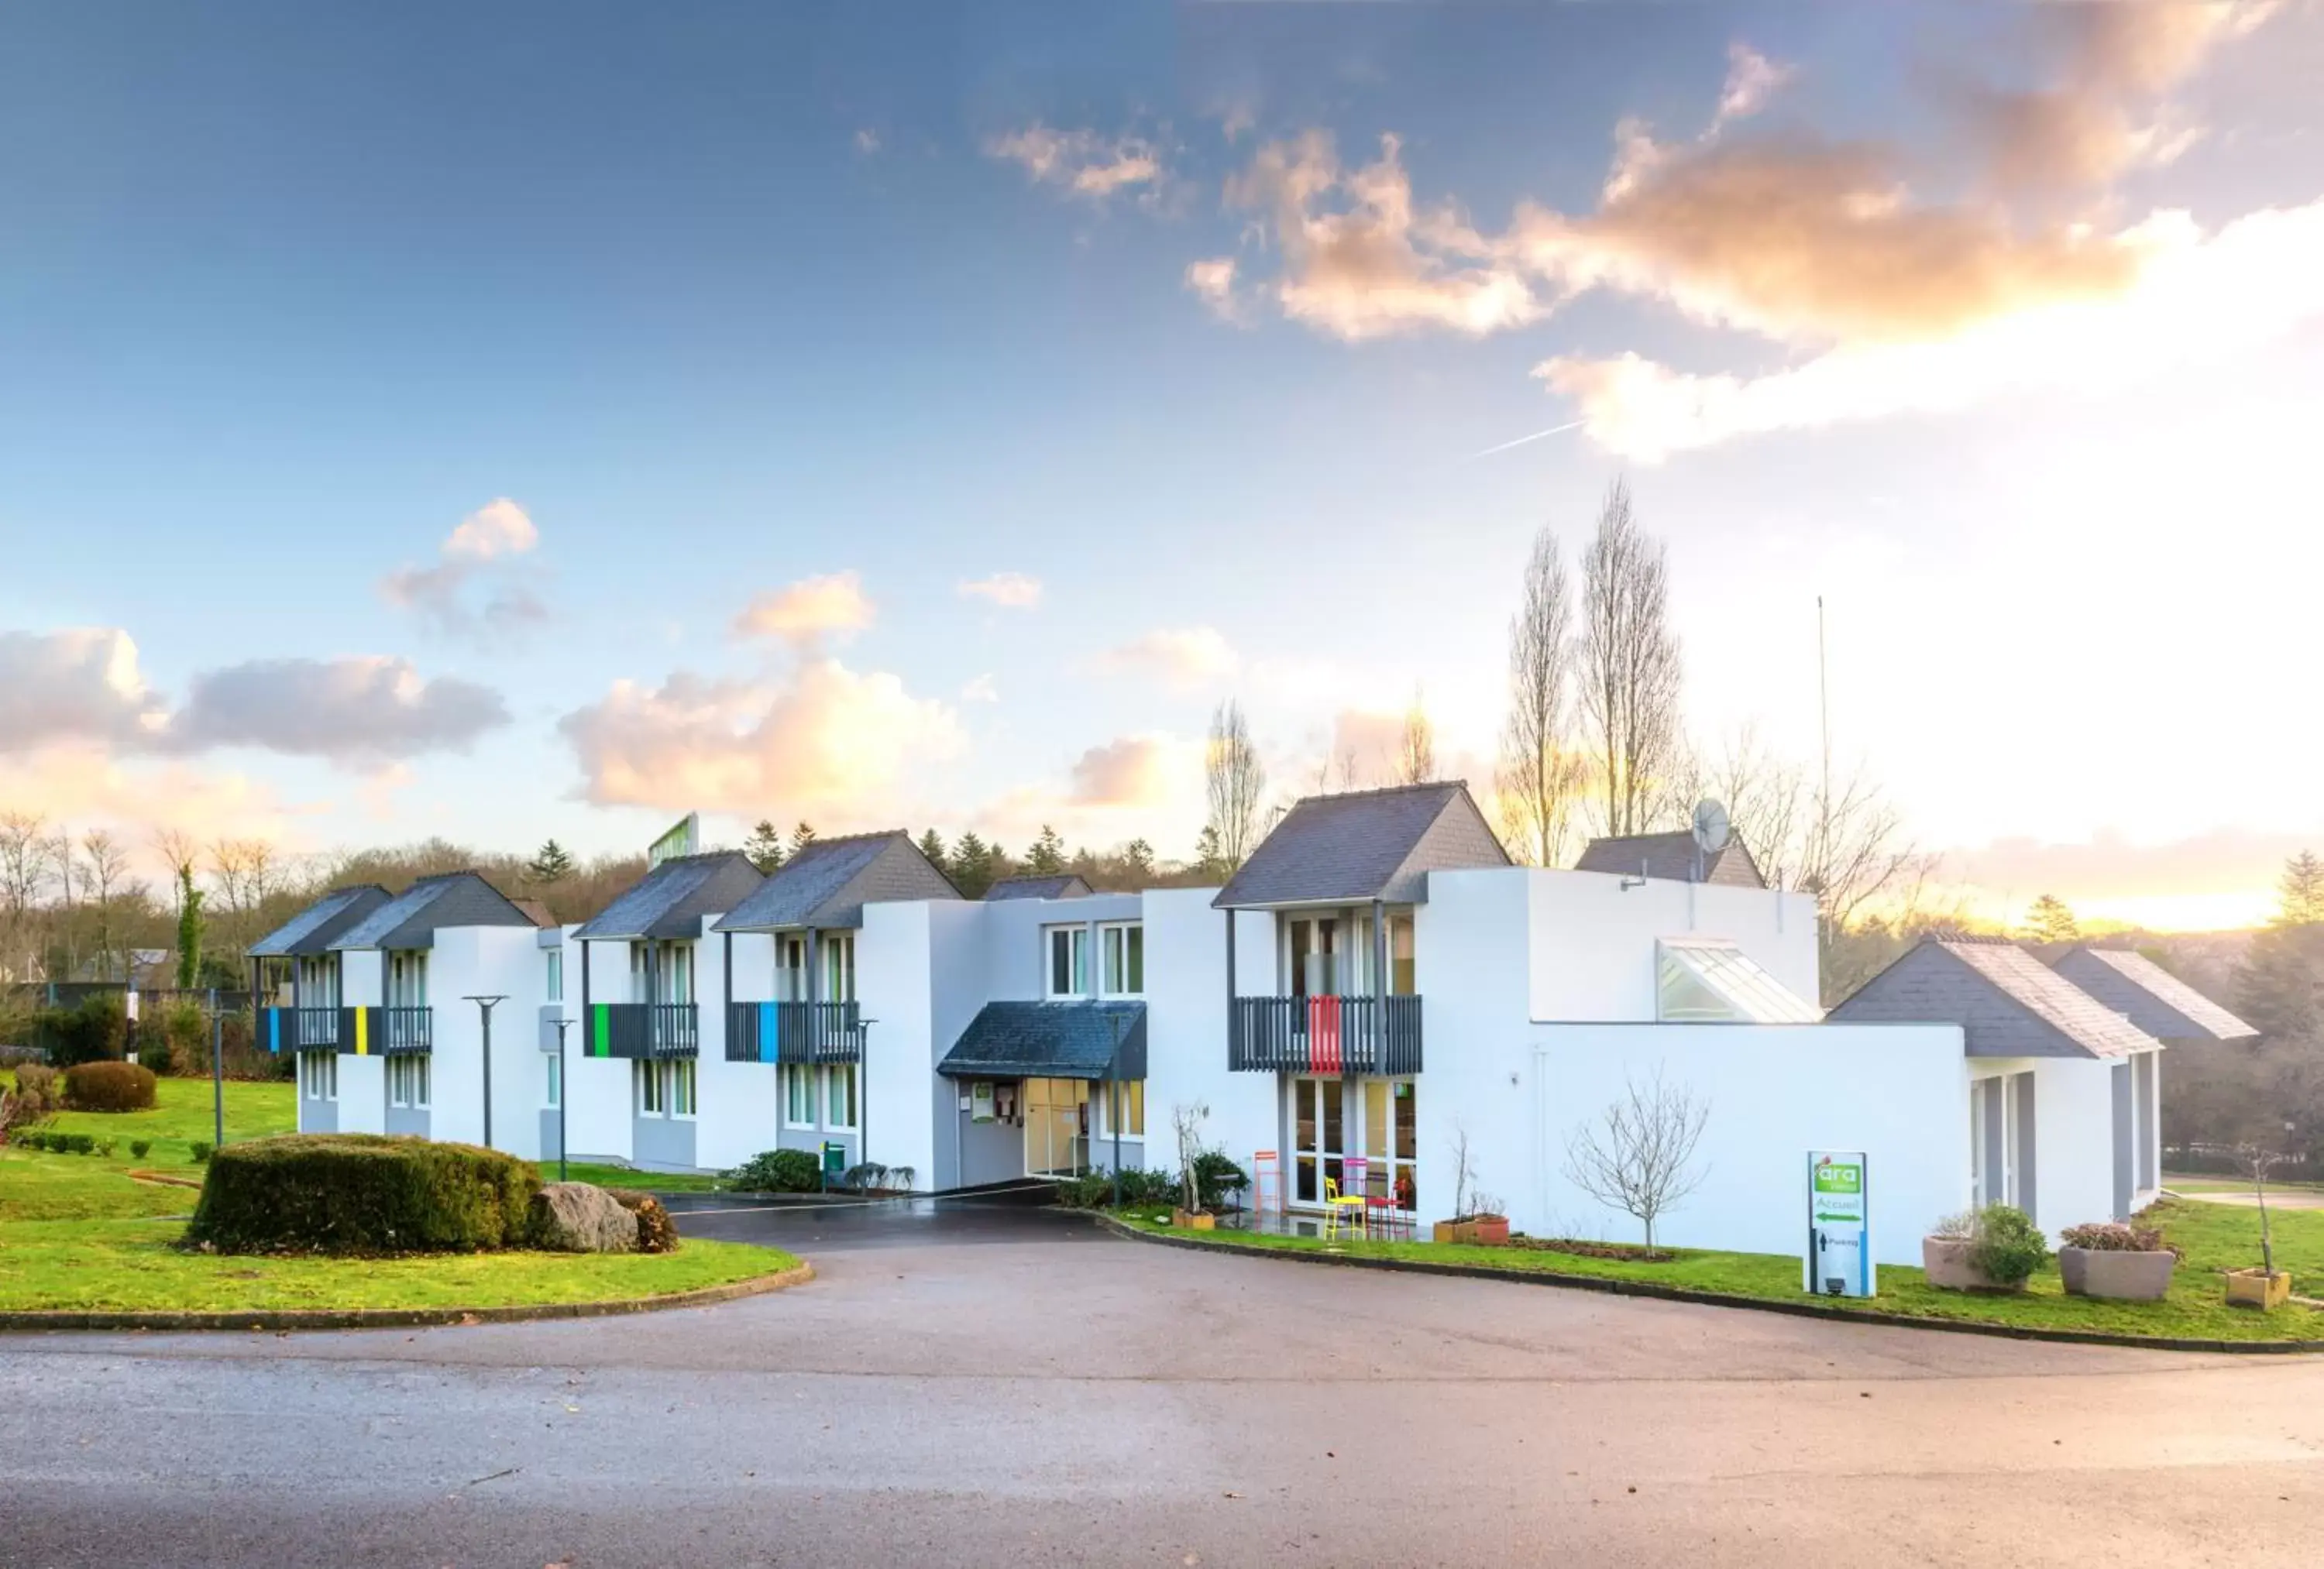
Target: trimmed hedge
{"x": 778, "y": 1172}
{"x": 109, "y": 1087}
{"x": 361, "y": 1194}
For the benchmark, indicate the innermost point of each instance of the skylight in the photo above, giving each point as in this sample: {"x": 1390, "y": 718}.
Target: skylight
{"x": 1699, "y": 982}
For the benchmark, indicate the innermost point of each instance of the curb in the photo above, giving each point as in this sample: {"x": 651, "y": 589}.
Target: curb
{"x": 1617, "y": 1287}
{"x": 289, "y": 1318}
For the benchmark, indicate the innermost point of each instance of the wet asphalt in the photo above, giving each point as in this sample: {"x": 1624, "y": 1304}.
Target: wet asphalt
{"x": 986, "y": 1383}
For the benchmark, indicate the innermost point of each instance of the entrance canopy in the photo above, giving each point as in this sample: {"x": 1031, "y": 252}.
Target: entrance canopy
{"x": 1065, "y": 1040}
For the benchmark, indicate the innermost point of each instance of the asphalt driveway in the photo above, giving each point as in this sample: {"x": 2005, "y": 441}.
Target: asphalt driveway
{"x": 974, "y": 1384}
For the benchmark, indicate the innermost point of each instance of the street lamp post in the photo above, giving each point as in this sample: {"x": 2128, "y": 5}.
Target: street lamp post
{"x": 564, "y": 1091}
{"x": 487, "y": 1004}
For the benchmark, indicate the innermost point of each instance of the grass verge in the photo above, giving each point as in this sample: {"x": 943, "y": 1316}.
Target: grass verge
{"x": 2214, "y": 1238}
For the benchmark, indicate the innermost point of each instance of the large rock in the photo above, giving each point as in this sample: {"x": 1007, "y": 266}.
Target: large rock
{"x": 579, "y": 1217}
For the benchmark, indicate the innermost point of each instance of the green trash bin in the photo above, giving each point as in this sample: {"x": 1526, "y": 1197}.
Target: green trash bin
{"x": 834, "y": 1162}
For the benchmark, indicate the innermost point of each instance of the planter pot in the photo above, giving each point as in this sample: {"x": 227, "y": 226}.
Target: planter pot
{"x": 1945, "y": 1260}
{"x": 2125, "y": 1277}
{"x": 2258, "y": 1289}
{"x": 1490, "y": 1231}
{"x": 1193, "y": 1221}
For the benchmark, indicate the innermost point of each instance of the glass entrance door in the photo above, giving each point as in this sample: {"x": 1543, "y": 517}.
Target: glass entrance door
{"x": 1391, "y": 1141}
{"x": 1319, "y": 1130}
{"x": 1057, "y": 1127}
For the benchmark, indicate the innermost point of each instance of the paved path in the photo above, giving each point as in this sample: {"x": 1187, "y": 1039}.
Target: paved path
{"x": 988, "y": 1387}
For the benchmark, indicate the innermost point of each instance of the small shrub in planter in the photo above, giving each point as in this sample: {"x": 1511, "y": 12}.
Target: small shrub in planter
{"x": 1993, "y": 1249}
{"x": 2130, "y": 1263}
{"x": 140, "y": 1148}
{"x": 361, "y": 1194}
{"x": 108, "y": 1087}
{"x": 778, "y": 1172}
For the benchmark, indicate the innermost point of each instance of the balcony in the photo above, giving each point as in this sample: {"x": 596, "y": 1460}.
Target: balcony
{"x": 794, "y": 1033}
{"x": 399, "y": 1032}
{"x": 281, "y": 1030}
{"x": 357, "y": 1032}
{"x": 1326, "y": 1035}
{"x": 647, "y": 1030}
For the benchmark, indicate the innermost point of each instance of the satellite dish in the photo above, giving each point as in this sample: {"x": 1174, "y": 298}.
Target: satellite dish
{"x": 1710, "y": 827}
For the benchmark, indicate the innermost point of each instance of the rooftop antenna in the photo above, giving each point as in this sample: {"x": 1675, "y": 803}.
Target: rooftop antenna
{"x": 1712, "y": 831}
{"x": 1823, "y": 708}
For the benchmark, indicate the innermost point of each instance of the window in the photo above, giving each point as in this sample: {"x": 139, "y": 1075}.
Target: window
{"x": 1314, "y": 958}
{"x": 839, "y": 1096}
{"x": 653, "y": 1100}
{"x": 556, "y": 962}
{"x": 790, "y": 970}
{"x": 798, "y": 1095}
{"x": 555, "y": 1093}
{"x": 407, "y": 979}
{"x": 1124, "y": 947}
{"x": 320, "y": 1071}
{"x": 681, "y": 1086}
{"x": 1069, "y": 961}
{"x": 839, "y": 968}
{"x": 1132, "y": 1096}
{"x": 1715, "y": 983}
{"x": 661, "y": 972}
{"x": 406, "y": 1081}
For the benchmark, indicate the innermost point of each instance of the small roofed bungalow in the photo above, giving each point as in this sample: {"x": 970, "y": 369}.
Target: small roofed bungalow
{"x": 2065, "y": 1065}
{"x": 380, "y": 1014}
{"x": 1068, "y": 885}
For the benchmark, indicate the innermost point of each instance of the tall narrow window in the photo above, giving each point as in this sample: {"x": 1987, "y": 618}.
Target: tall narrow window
{"x": 790, "y": 970}
{"x": 798, "y": 1095}
{"x": 650, "y": 1099}
{"x": 839, "y": 967}
{"x": 555, "y": 959}
{"x": 839, "y": 1096}
{"x": 554, "y": 1094}
{"x": 1069, "y": 961}
{"x": 681, "y": 1087}
{"x": 1124, "y": 964}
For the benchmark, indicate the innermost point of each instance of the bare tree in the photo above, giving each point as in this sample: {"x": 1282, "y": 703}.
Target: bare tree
{"x": 105, "y": 873}
{"x": 1638, "y": 1157}
{"x": 25, "y": 850}
{"x": 1630, "y": 675}
{"x": 1187, "y": 1119}
{"x": 1541, "y": 772}
{"x": 1465, "y": 1172}
{"x": 179, "y": 852}
{"x": 1236, "y": 781}
{"x": 1415, "y": 750}
{"x": 1770, "y": 808}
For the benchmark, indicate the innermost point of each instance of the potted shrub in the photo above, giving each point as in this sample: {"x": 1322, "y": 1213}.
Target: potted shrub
{"x": 1187, "y": 1120}
{"x": 2128, "y": 1263}
{"x": 2265, "y": 1287}
{"x": 1998, "y": 1252}
{"x": 1478, "y": 1217}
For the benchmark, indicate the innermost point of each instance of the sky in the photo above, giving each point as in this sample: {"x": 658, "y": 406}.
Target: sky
{"x": 512, "y": 422}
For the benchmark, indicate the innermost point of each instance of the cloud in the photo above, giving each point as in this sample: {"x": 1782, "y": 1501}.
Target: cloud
{"x": 481, "y": 548}
{"x": 1752, "y": 79}
{"x": 79, "y": 684}
{"x": 1134, "y": 772}
{"x": 1180, "y": 657}
{"x": 82, "y": 686}
{"x": 87, "y": 785}
{"x": 1212, "y": 282}
{"x": 364, "y": 710}
{"x": 1081, "y": 163}
{"x": 809, "y": 611}
{"x": 2193, "y": 298}
{"x": 981, "y": 690}
{"x": 1360, "y": 262}
{"x": 867, "y": 142}
{"x": 1011, "y": 591}
{"x": 829, "y": 743}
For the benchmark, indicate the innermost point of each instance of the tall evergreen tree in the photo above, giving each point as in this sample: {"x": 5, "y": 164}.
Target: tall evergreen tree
{"x": 932, "y": 846}
{"x": 1138, "y": 859}
{"x": 1046, "y": 858}
{"x": 764, "y": 847}
{"x": 189, "y": 930}
{"x": 2052, "y": 921}
{"x": 2300, "y": 895}
{"x": 551, "y": 864}
{"x": 971, "y": 864}
{"x": 801, "y": 837}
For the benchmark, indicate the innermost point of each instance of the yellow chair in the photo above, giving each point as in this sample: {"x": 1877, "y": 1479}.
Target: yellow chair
{"x": 1342, "y": 1209}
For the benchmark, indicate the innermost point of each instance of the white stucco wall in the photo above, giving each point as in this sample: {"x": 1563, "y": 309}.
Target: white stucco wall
{"x": 1592, "y": 957}
{"x": 362, "y": 1095}
{"x": 502, "y": 961}
{"x": 1186, "y": 1027}
{"x": 2073, "y": 1148}
{"x": 1898, "y": 1092}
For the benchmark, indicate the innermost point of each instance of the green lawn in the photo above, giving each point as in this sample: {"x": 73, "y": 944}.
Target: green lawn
{"x": 2233, "y": 1185}
{"x": 624, "y": 1176}
{"x": 78, "y": 1231}
{"x": 2214, "y": 1237}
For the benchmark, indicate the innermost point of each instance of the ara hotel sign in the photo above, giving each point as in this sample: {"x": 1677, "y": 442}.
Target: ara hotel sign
{"x": 1839, "y": 1225}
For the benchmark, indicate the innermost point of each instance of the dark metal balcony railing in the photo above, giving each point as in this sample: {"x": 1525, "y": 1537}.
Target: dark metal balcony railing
{"x": 641, "y": 1030}
{"x": 794, "y": 1033}
{"x": 1323, "y": 1035}
{"x": 357, "y": 1032}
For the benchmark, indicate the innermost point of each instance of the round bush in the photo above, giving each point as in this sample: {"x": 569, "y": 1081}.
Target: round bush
{"x": 108, "y": 1087}
{"x": 2007, "y": 1247}
{"x": 361, "y": 1194}
{"x": 778, "y": 1172}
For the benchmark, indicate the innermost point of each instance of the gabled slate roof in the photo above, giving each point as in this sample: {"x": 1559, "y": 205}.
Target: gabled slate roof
{"x": 1069, "y": 886}
{"x": 1365, "y": 845}
{"x": 1670, "y": 856}
{"x": 413, "y": 917}
{"x": 670, "y": 901}
{"x": 313, "y": 930}
{"x": 2009, "y": 1003}
{"x": 1063, "y": 1040}
{"x": 2155, "y": 1000}
{"x": 827, "y": 884}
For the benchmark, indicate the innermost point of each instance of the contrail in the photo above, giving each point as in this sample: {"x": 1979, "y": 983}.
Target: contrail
{"x": 1536, "y": 436}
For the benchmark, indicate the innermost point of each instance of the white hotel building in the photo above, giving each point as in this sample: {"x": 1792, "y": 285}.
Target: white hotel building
{"x": 1376, "y": 983}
